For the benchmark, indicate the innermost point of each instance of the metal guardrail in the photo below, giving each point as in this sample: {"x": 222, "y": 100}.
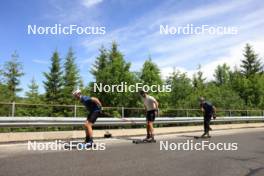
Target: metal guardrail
{"x": 14, "y": 109}
{"x": 55, "y": 121}
{"x": 12, "y": 115}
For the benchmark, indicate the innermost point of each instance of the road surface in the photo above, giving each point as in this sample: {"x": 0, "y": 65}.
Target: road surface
{"x": 122, "y": 158}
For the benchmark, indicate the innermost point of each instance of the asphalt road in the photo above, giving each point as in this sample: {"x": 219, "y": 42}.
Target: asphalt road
{"x": 121, "y": 158}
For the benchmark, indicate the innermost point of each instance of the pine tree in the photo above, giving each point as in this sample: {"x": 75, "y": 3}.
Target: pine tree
{"x": 119, "y": 70}
{"x": 199, "y": 86}
{"x": 150, "y": 73}
{"x": 71, "y": 77}
{"x": 248, "y": 82}
{"x": 1, "y": 75}
{"x": 101, "y": 73}
{"x": 251, "y": 65}
{"x": 33, "y": 97}
{"x": 222, "y": 74}
{"x": 111, "y": 69}
{"x": 100, "y": 63}
{"x": 54, "y": 81}
{"x": 33, "y": 94}
{"x": 4, "y": 98}
{"x": 198, "y": 79}
{"x": 12, "y": 73}
{"x": 81, "y": 84}
{"x": 181, "y": 89}
{"x": 3, "y": 95}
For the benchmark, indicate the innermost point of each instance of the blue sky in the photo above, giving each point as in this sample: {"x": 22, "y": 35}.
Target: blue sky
{"x": 134, "y": 25}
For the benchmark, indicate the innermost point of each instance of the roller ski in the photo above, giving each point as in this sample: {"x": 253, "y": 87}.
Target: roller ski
{"x": 204, "y": 136}
{"x": 142, "y": 141}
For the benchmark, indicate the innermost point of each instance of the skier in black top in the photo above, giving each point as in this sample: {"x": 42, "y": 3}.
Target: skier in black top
{"x": 208, "y": 112}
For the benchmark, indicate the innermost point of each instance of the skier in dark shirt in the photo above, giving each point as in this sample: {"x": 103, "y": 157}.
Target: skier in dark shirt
{"x": 94, "y": 106}
{"x": 208, "y": 112}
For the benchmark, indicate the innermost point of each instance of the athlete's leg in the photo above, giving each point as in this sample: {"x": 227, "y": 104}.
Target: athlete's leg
{"x": 151, "y": 129}
{"x": 89, "y": 125}
{"x": 86, "y": 129}
{"x": 148, "y": 130}
{"x": 148, "y": 133}
{"x": 207, "y": 127}
{"x": 89, "y": 131}
{"x": 151, "y": 121}
{"x": 204, "y": 124}
{"x": 147, "y": 125}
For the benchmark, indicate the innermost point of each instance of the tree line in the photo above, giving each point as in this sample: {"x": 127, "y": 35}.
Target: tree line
{"x": 239, "y": 88}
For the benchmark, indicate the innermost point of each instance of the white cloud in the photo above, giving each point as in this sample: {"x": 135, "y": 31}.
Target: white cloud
{"x": 232, "y": 56}
{"x": 141, "y": 37}
{"x": 202, "y": 12}
{"x": 232, "y": 59}
{"x": 73, "y": 12}
{"x": 39, "y": 61}
{"x": 91, "y": 3}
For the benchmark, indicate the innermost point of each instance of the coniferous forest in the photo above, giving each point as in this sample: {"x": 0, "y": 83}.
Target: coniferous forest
{"x": 232, "y": 88}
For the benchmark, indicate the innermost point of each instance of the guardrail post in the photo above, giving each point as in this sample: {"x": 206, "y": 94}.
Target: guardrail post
{"x": 75, "y": 110}
{"x": 123, "y": 112}
{"x": 187, "y": 113}
{"x": 13, "y": 108}
{"x": 230, "y": 113}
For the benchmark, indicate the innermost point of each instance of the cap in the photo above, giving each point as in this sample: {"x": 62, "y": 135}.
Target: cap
{"x": 201, "y": 99}
{"x": 76, "y": 92}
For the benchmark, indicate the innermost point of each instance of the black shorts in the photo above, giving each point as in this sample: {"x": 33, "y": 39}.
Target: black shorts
{"x": 151, "y": 116}
{"x": 208, "y": 116}
{"x": 92, "y": 116}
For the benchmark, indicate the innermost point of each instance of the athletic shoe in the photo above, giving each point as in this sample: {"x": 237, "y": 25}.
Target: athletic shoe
{"x": 208, "y": 135}
{"x": 203, "y": 135}
{"x": 88, "y": 144}
{"x": 149, "y": 140}
{"x": 146, "y": 139}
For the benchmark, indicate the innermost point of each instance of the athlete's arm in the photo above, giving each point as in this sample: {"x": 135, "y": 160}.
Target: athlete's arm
{"x": 157, "y": 107}
{"x": 145, "y": 107}
{"x": 214, "y": 112}
{"x": 201, "y": 108}
{"x": 156, "y": 104}
{"x": 96, "y": 100}
{"x": 214, "y": 109}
